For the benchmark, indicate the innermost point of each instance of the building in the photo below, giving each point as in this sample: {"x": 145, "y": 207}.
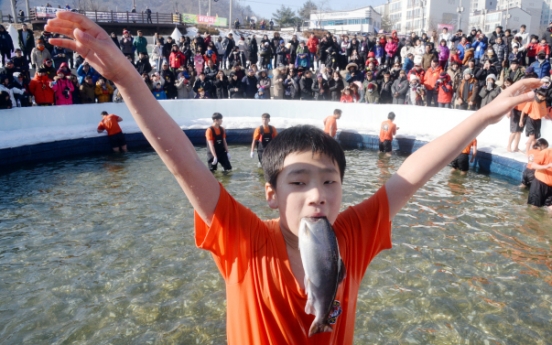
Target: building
{"x": 426, "y": 15}
{"x": 511, "y": 18}
{"x": 365, "y": 19}
{"x": 533, "y": 7}
{"x": 546, "y": 16}
{"x": 479, "y": 5}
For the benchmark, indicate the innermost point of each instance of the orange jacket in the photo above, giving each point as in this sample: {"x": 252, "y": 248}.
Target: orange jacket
{"x": 41, "y": 90}
{"x": 430, "y": 77}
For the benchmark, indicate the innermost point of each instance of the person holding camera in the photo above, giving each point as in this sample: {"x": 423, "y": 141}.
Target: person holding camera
{"x": 63, "y": 89}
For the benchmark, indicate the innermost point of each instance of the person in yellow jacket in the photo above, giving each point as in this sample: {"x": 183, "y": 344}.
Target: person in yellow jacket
{"x": 104, "y": 91}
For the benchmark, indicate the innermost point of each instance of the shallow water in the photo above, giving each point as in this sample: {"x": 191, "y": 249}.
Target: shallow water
{"x": 100, "y": 250}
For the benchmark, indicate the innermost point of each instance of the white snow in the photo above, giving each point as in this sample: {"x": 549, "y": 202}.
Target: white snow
{"x": 27, "y": 126}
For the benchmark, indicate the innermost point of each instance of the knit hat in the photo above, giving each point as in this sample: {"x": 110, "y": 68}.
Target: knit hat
{"x": 414, "y": 77}
{"x": 491, "y": 76}
{"x": 467, "y": 71}
{"x": 529, "y": 70}
{"x": 545, "y": 79}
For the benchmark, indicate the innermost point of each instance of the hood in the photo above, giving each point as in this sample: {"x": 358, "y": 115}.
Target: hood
{"x": 43, "y": 78}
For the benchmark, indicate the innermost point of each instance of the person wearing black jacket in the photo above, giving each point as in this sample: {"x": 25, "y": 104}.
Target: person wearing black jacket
{"x": 115, "y": 40}
{"x": 167, "y": 47}
{"x": 237, "y": 56}
{"x": 293, "y": 44}
{"x": 221, "y": 85}
{"x": 235, "y": 87}
{"x": 321, "y": 89}
{"x": 384, "y": 85}
{"x": 206, "y": 85}
{"x": 211, "y": 71}
{"x": 143, "y": 65}
{"x": 26, "y": 41}
{"x": 274, "y": 44}
{"x": 228, "y": 45}
{"x": 497, "y": 33}
{"x": 168, "y": 75}
{"x": 249, "y": 84}
{"x": 305, "y": 84}
{"x": 253, "y": 51}
{"x": 6, "y": 44}
{"x": 336, "y": 85}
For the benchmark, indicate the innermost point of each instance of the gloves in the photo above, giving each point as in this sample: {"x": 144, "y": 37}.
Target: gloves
{"x": 215, "y": 161}
{"x": 251, "y": 154}
{"x": 228, "y": 154}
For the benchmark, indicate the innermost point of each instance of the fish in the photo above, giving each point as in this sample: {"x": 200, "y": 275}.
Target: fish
{"x": 324, "y": 271}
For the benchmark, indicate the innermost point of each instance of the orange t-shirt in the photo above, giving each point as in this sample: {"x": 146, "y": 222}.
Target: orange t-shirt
{"x": 545, "y": 176}
{"x": 265, "y": 303}
{"x": 257, "y": 134}
{"x": 209, "y": 133}
{"x": 110, "y": 123}
{"x": 531, "y": 157}
{"x": 387, "y": 130}
{"x": 535, "y": 110}
{"x": 520, "y": 106}
{"x": 468, "y": 148}
{"x": 330, "y": 125}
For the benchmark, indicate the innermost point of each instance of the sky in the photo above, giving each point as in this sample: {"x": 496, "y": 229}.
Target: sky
{"x": 267, "y": 7}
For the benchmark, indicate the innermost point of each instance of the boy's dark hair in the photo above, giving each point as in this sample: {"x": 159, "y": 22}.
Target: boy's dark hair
{"x": 391, "y": 116}
{"x": 216, "y": 116}
{"x": 299, "y": 139}
{"x": 542, "y": 92}
{"x": 105, "y": 113}
{"x": 541, "y": 143}
{"x": 523, "y": 26}
{"x": 337, "y": 111}
{"x": 265, "y": 116}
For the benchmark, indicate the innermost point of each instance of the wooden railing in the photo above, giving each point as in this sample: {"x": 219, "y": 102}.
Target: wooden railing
{"x": 44, "y": 13}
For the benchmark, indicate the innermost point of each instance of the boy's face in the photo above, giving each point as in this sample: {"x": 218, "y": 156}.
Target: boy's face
{"x": 265, "y": 121}
{"x": 308, "y": 186}
{"x": 541, "y": 97}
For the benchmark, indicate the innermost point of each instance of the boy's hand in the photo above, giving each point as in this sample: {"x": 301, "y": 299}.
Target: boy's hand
{"x": 91, "y": 42}
{"x": 251, "y": 154}
{"x": 215, "y": 161}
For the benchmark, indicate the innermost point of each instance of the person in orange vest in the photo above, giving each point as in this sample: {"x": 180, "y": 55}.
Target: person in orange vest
{"x": 534, "y": 112}
{"x": 462, "y": 162}
{"x": 262, "y": 136}
{"x": 110, "y": 123}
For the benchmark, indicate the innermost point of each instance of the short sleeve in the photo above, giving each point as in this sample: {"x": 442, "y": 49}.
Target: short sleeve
{"x": 366, "y": 230}
{"x": 527, "y": 108}
{"x": 209, "y": 134}
{"x": 538, "y": 157}
{"x": 101, "y": 126}
{"x": 232, "y": 236}
{"x": 256, "y": 134}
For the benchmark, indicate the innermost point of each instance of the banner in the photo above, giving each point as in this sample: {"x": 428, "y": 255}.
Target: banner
{"x": 189, "y": 18}
{"x": 449, "y": 27}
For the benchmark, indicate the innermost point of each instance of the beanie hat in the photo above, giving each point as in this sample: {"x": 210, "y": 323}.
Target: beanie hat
{"x": 491, "y": 76}
{"x": 414, "y": 77}
{"x": 467, "y": 71}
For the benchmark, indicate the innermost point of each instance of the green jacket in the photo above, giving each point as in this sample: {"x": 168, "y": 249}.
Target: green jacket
{"x": 140, "y": 44}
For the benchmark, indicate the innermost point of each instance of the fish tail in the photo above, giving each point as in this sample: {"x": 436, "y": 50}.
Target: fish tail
{"x": 318, "y": 327}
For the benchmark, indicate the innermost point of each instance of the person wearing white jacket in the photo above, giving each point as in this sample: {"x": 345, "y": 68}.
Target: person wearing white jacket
{"x": 3, "y": 87}
{"x": 445, "y": 35}
{"x": 419, "y": 51}
{"x": 407, "y": 49}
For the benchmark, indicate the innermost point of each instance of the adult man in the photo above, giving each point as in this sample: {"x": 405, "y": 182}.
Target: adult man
{"x": 228, "y": 45}
{"x": 312, "y": 44}
{"x": 541, "y": 67}
{"x": 430, "y": 78}
{"x": 126, "y": 45}
{"x": 497, "y": 33}
{"x": 513, "y": 72}
{"x": 26, "y": 41}
{"x": 445, "y": 35}
{"x": 140, "y": 43}
{"x": 148, "y": 14}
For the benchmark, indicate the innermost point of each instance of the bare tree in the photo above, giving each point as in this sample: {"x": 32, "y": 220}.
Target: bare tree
{"x": 322, "y": 7}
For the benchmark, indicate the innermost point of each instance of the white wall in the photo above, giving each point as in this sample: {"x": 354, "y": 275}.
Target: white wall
{"x": 26, "y": 126}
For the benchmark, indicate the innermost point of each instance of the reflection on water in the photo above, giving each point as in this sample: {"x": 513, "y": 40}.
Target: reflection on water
{"x": 100, "y": 250}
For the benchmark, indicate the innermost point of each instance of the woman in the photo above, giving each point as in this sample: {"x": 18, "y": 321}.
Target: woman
{"x": 221, "y": 85}
{"x": 264, "y": 83}
{"x": 336, "y": 85}
{"x": 115, "y": 40}
{"x": 278, "y": 83}
{"x": 76, "y": 91}
{"x": 63, "y": 89}
{"x": 146, "y": 78}
{"x": 253, "y": 51}
{"x": 183, "y": 86}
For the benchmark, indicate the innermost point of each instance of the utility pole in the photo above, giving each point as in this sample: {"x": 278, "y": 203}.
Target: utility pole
{"x": 209, "y": 10}
{"x": 460, "y": 9}
{"x": 13, "y": 11}
{"x": 230, "y": 16}
{"x": 28, "y": 9}
{"x": 422, "y": 4}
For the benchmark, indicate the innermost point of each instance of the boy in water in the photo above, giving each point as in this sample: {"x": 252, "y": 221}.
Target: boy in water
{"x": 304, "y": 170}
{"x": 529, "y": 172}
{"x": 217, "y": 148}
{"x": 330, "y": 123}
{"x": 540, "y": 193}
{"x": 387, "y": 130}
{"x": 535, "y": 111}
{"x": 110, "y": 123}
{"x": 462, "y": 162}
{"x": 262, "y": 136}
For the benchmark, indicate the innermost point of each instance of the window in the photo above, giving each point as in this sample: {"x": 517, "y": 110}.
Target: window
{"x": 395, "y": 7}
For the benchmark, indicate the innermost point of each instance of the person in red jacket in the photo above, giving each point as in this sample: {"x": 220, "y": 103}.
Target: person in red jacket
{"x": 544, "y": 47}
{"x": 431, "y": 76}
{"x": 41, "y": 88}
{"x": 312, "y": 44}
{"x": 444, "y": 90}
{"x": 177, "y": 59}
{"x": 394, "y": 36}
{"x": 531, "y": 49}
{"x": 418, "y": 71}
{"x": 391, "y": 48}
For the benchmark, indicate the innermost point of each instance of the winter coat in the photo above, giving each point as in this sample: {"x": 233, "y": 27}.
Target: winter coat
{"x": 232, "y": 86}
{"x": 415, "y": 95}
{"x": 399, "y": 87}
{"x": 249, "y": 86}
{"x": 487, "y": 96}
{"x": 468, "y": 55}
{"x": 278, "y": 86}
{"x": 419, "y": 52}
{"x": 473, "y": 91}
{"x": 386, "y": 95}
{"x": 126, "y": 46}
{"x": 228, "y": 45}
{"x": 87, "y": 93}
{"x": 199, "y": 63}
{"x": 237, "y": 56}
{"x": 206, "y": 85}
{"x": 321, "y": 85}
{"x": 391, "y": 49}
{"x": 455, "y": 77}
{"x": 38, "y": 56}
{"x": 63, "y": 91}
{"x": 41, "y": 90}
{"x": 159, "y": 94}
{"x": 407, "y": 49}
{"x": 444, "y": 91}
{"x": 431, "y": 76}
{"x": 444, "y": 53}
{"x": 281, "y": 55}
{"x": 291, "y": 88}
{"x": 221, "y": 88}
{"x": 500, "y": 52}
{"x": 514, "y": 75}
{"x": 305, "y": 85}
{"x": 81, "y": 74}
{"x": 28, "y": 44}
{"x": 140, "y": 44}
{"x": 480, "y": 49}
{"x": 6, "y": 42}
{"x": 541, "y": 69}
{"x": 336, "y": 86}
{"x": 371, "y": 92}
{"x": 177, "y": 59}
{"x": 312, "y": 44}
{"x": 103, "y": 94}
{"x": 184, "y": 89}
{"x": 426, "y": 60}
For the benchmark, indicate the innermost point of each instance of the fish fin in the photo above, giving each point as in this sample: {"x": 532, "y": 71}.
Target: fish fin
{"x": 319, "y": 328}
{"x": 342, "y": 272}
{"x": 309, "y": 307}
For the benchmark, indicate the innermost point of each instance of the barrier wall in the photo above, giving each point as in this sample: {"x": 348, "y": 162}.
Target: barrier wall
{"x": 46, "y": 133}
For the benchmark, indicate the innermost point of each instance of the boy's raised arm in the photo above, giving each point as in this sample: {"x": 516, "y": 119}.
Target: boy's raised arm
{"x": 428, "y": 160}
{"x": 162, "y": 132}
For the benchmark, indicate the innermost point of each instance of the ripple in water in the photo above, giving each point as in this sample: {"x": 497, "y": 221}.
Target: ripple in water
{"x": 100, "y": 250}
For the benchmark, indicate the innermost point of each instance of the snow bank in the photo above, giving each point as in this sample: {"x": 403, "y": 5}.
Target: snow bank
{"x": 28, "y": 126}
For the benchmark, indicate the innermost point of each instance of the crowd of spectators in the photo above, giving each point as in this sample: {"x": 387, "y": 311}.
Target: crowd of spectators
{"x": 463, "y": 71}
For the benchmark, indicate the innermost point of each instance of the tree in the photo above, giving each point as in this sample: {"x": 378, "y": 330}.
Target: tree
{"x": 306, "y": 10}
{"x": 386, "y": 24}
{"x": 284, "y": 16}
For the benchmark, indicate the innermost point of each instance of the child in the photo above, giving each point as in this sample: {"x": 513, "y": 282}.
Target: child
{"x": 379, "y": 52}
{"x": 262, "y": 136}
{"x": 110, "y": 123}
{"x": 529, "y": 172}
{"x": 540, "y": 193}
{"x": 217, "y": 148}
{"x": 158, "y": 92}
{"x": 444, "y": 90}
{"x": 462, "y": 162}
{"x": 535, "y": 111}
{"x": 387, "y": 130}
{"x": 330, "y": 123}
{"x": 304, "y": 171}
{"x": 346, "y": 96}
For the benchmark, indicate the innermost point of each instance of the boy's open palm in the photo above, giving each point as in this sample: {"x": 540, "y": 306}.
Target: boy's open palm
{"x": 521, "y": 91}
{"x": 91, "y": 42}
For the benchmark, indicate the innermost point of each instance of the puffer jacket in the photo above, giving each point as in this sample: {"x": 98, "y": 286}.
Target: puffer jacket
{"x": 63, "y": 91}
{"x": 87, "y": 93}
{"x": 445, "y": 90}
{"x": 480, "y": 48}
{"x": 41, "y": 90}
{"x": 487, "y": 96}
{"x": 103, "y": 94}
{"x": 500, "y": 52}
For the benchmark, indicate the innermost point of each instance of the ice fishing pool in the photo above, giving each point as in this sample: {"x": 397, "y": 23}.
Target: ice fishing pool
{"x": 99, "y": 248}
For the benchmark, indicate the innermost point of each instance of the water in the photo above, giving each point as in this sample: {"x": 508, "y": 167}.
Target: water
{"x": 100, "y": 250}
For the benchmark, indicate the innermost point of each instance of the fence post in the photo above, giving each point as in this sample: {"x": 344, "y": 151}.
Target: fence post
{"x": 157, "y": 17}
{"x": 142, "y": 17}
{"x": 96, "y": 15}
{"x": 127, "y": 18}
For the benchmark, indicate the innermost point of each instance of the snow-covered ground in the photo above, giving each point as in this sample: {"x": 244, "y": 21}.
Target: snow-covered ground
{"x": 27, "y": 126}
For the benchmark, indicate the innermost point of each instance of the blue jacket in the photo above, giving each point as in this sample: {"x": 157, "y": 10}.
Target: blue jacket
{"x": 92, "y": 72}
{"x": 159, "y": 94}
{"x": 541, "y": 69}
{"x": 462, "y": 49}
{"x": 379, "y": 51}
{"x": 480, "y": 48}
{"x": 407, "y": 65}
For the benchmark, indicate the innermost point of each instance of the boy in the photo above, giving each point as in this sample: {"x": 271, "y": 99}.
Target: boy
{"x": 330, "y": 123}
{"x": 304, "y": 170}
{"x": 217, "y": 148}
{"x": 540, "y": 193}
{"x": 262, "y": 136}
{"x": 529, "y": 173}
{"x": 462, "y": 162}
{"x": 387, "y": 130}
{"x": 535, "y": 111}
{"x": 110, "y": 123}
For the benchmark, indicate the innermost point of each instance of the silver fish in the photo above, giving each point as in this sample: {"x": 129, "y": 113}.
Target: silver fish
{"x": 324, "y": 270}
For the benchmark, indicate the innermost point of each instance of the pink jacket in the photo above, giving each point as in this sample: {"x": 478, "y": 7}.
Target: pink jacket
{"x": 61, "y": 96}
{"x": 391, "y": 48}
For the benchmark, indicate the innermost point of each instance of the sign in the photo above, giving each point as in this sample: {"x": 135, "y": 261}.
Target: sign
{"x": 189, "y": 18}
{"x": 449, "y": 27}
